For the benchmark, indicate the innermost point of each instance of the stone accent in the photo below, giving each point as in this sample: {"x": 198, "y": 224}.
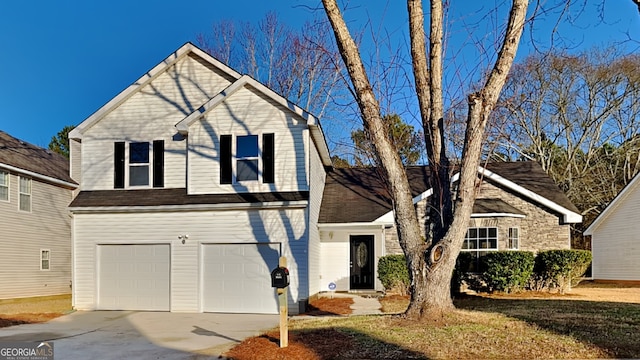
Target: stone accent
{"x": 539, "y": 230}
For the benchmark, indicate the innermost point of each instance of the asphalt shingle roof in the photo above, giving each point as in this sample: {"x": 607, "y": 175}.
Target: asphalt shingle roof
{"x": 359, "y": 194}
{"x": 22, "y": 155}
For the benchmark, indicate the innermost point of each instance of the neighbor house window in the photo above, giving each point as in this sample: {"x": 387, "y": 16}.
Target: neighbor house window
{"x": 24, "y": 193}
{"x": 513, "y": 239}
{"x": 478, "y": 242}
{"x": 244, "y": 162}
{"x": 4, "y": 186}
{"x": 45, "y": 260}
{"x": 139, "y": 164}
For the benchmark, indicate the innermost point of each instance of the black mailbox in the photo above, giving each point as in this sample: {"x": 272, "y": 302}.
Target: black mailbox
{"x": 280, "y": 277}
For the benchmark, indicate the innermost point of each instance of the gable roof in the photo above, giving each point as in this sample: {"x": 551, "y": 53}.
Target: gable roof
{"x": 613, "y": 205}
{"x": 359, "y": 194}
{"x": 237, "y": 80}
{"x": 185, "y": 50}
{"x": 246, "y": 80}
{"x": 22, "y": 157}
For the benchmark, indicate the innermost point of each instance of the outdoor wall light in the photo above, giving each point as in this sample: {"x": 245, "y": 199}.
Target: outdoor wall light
{"x": 183, "y": 238}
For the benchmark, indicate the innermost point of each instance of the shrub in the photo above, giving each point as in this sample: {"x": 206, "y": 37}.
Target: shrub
{"x": 393, "y": 273}
{"x": 507, "y": 271}
{"x": 562, "y": 268}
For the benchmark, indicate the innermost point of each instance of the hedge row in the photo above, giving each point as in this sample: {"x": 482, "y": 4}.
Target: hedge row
{"x": 505, "y": 271}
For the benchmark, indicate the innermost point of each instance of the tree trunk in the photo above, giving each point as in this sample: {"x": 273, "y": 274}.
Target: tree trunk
{"x": 430, "y": 263}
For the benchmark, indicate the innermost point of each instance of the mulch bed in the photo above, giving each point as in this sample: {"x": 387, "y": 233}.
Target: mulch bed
{"x": 330, "y": 306}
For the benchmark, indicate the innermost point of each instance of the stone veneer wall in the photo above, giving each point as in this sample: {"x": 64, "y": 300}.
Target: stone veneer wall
{"x": 539, "y": 229}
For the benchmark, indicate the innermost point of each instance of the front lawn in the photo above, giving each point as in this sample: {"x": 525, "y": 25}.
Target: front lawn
{"x": 498, "y": 327}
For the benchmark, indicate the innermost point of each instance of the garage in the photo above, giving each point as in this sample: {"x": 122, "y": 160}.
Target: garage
{"x": 134, "y": 277}
{"x": 237, "y": 278}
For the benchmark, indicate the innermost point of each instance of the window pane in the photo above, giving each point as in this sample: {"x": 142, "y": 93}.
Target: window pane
{"x": 492, "y": 243}
{"x": 247, "y": 170}
{"x": 138, "y": 175}
{"x": 4, "y": 185}
{"x": 139, "y": 153}
{"x": 44, "y": 259}
{"x": 493, "y": 232}
{"x": 247, "y": 146}
{"x": 25, "y": 185}
{"x": 473, "y": 233}
{"x": 482, "y": 233}
{"x": 25, "y": 202}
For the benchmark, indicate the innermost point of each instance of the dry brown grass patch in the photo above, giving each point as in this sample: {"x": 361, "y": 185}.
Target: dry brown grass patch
{"x": 33, "y": 310}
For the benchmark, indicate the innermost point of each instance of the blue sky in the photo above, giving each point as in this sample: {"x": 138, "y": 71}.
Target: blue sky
{"x": 62, "y": 60}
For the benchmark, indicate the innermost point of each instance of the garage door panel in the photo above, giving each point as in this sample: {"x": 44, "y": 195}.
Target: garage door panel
{"x": 237, "y": 278}
{"x": 134, "y": 277}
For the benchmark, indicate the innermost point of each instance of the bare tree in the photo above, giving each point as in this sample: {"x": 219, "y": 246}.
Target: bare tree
{"x": 430, "y": 263}
{"x": 302, "y": 65}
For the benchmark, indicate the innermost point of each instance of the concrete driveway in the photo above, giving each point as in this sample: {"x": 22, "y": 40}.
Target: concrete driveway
{"x": 141, "y": 335}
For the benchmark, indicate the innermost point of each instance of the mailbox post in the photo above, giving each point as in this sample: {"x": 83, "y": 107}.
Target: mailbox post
{"x": 280, "y": 280}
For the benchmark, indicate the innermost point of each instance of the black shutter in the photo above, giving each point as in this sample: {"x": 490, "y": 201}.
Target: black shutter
{"x": 268, "y": 163}
{"x": 225, "y": 159}
{"x": 158, "y": 163}
{"x": 118, "y": 169}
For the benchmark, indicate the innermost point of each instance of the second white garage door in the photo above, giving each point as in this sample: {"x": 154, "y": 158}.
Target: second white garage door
{"x": 134, "y": 277}
{"x": 237, "y": 278}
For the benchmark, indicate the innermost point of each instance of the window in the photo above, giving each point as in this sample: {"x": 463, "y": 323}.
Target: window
{"x": 4, "y": 186}
{"x": 247, "y": 158}
{"x": 250, "y": 156}
{"x": 139, "y": 164}
{"x": 142, "y": 162}
{"x": 513, "y": 240}
{"x": 25, "y": 194}
{"x": 479, "y": 241}
{"x": 45, "y": 261}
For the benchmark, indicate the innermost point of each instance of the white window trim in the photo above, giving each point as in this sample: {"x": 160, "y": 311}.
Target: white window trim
{"x": 234, "y": 159}
{"x": 489, "y": 249}
{"x": 8, "y": 185}
{"x": 30, "y": 194}
{"x": 48, "y": 251}
{"x": 509, "y": 238}
{"x": 127, "y": 165}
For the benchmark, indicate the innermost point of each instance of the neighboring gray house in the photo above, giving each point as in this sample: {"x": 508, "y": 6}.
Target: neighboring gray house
{"x": 195, "y": 179}
{"x": 615, "y": 244}
{"x": 35, "y": 189}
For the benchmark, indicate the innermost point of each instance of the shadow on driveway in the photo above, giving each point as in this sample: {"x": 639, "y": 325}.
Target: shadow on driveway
{"x": 144, "y": 335}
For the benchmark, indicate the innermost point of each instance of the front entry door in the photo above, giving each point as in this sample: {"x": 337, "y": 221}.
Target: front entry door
{"x": 362, "y": 266}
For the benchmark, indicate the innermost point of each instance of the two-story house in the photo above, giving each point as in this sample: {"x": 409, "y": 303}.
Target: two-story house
{"x": 195, "y": 179}
{"x": 35, "y": 250}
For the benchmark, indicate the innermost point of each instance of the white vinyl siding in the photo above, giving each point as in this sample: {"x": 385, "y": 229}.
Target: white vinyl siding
{"x": 24, "y": 194}
{"x": 150, "y": 114}
{"x": 615, "y": 244}
{"x": 203, "y": 227}
{"x": 335, "y": 255}
{"x": 317, "y": 178}
{"x": 245, "y": 112}
{"x": 4, "y": 186}
{"x": 47, "y": 226}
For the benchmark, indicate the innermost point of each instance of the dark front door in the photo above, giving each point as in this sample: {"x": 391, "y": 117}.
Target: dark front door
{"x": 362, "y": 269}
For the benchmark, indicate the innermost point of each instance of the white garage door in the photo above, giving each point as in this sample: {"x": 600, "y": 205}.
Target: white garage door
{"x": 133, "y": 277}
{"x": 237, "y": 278}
